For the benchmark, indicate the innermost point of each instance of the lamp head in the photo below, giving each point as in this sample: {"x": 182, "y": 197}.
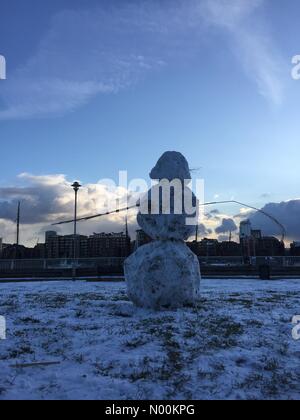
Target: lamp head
{"x": 76, "y": 185}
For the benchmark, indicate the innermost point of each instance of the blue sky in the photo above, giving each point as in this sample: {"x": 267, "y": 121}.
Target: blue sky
{"x": 96, "y": 88}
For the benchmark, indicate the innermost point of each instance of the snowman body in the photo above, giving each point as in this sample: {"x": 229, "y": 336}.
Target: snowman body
{"x": 166, "y": 273}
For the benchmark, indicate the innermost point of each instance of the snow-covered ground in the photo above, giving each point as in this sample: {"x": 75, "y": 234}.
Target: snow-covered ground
{"x": 237, "y": 344}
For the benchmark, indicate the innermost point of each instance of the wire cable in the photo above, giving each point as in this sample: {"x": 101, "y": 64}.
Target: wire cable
{"x": 83, "y": 219}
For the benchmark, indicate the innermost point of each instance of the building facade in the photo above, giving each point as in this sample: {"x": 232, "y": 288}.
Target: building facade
{"x": 254, "y": 244}
{"x": 295, "y": 249}
{"x": 141, "y": 238}
{"x": 62, "y": 246}
{"x": 109, "y": 245}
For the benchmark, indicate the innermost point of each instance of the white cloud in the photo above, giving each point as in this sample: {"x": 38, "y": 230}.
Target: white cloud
{"x": 104, "y": 50}
{"x": 286, "y": 212}
{"x": 251, "y": 42}
{"x": 228, "y": 225}
{"x": 49, "y": 199}
{"x": 85, "y": 53}
{"x": 228, "y": 13}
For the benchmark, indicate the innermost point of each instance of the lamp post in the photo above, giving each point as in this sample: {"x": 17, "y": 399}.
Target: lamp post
{"x": 75, "y": 187}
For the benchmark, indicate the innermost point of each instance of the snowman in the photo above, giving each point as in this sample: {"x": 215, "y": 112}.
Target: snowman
{"x": 165, "y": 274}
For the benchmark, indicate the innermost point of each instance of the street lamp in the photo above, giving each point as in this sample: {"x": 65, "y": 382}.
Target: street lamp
{"x": 75, "y": 187}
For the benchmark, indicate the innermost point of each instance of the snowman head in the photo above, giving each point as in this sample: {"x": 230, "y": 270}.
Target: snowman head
{"x": 171, "y": 165}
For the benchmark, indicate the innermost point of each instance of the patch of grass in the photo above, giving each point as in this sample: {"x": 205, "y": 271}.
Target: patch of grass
{"x": 80, "y": 314}
{"x": 246, "y": 303}
{"x": 2, "y": 390}
{"x": 271, "y": 365}
{"x": 135, "y": 342}
{"x": 220, "y": 343}
{"x": 189, "y": 333}
{"x": 240, "y": 361}
{"x": 252, "y": 381}
{"x": 120, "y": 297}
{"x": 254, "y": 323}
{"x": 122, "y": 313}
{"x": 208, "y": 376}
{"x": 49, "y": 301}
{"x": 220, "y": 332}
{"x": 273, "y": 298}
{"x": 29, "y": 320}
{"x": 23, "y": 350}
{"x": 79, "y": 358}
{"x": 90, "y": 297}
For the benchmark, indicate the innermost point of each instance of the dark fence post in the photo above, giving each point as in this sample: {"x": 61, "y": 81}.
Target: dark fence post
{"x": 265, "y": 272}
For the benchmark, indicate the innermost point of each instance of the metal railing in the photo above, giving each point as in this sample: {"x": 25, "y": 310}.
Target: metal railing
{"x": 40, "y": 265}
{"x": 254, "y": 261}
{"x": 59, "y": 264}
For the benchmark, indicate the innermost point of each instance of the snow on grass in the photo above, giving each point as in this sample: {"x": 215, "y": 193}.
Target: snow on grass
{"x": 236, "y": 345}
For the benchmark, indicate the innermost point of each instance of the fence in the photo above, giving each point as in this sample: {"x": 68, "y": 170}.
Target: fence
{"x": 95, "y": 264}
{"x": 253, "y": 261}
{"x": 61, "y": 267}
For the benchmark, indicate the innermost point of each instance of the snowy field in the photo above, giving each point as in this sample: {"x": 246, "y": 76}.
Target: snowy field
{"x": 236, "y": 345}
